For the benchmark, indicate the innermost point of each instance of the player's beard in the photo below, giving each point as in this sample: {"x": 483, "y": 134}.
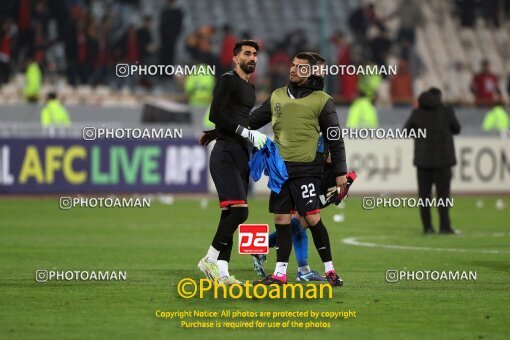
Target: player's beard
{"x": 248, "y": 67}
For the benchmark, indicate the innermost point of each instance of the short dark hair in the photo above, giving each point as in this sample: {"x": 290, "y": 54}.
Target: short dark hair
{"x": 307, "y": 56}
{"x": 239, "y": 45}
{"x": 317, "y": 56}
{"x": 52, "y": 95}
{"x": 436, "y": 91}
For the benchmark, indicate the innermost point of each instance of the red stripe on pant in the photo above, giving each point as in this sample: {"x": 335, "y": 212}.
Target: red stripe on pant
{"x": 312, "y": 212}
{"x": 224, "y": 204}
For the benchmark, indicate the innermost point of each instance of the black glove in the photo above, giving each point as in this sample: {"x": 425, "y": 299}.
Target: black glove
{"x": 333, "y": 195}
{"x": 207, "y": 137}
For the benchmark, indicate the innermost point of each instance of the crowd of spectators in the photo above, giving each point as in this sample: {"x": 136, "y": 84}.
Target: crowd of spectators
{"x": 64, "y": 38}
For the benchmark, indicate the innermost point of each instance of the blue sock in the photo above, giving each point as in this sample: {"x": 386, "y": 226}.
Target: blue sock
{"x": 300, "y": 243}
{"x": 272, "y": 240}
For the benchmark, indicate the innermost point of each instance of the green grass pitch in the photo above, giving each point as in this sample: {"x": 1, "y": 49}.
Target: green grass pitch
{"x": 160, "y": 245}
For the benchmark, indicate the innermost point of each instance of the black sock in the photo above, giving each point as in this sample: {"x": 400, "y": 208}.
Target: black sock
{"x": 283, "y": 242}
{"x": 227, "y": 227}
{"x": 225, "y": 254}
{"x": 224, "y": 215}
{"x": 321, "y": 241}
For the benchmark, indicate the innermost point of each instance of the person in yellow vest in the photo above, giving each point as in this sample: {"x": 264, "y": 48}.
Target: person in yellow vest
{"x": 199, "y": 89}
{"x": 33, "y": 81}
{"x": 496, "y": 119}
{"x": 369, "y": 83}
{"x": 299, "y": 113}
{"x": 207, "y": 124}
{"x": 362, "y": 114}
{"x": 54, "y": 113}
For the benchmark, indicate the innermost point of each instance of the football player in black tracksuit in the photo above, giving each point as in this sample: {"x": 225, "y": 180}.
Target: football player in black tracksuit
{"x": 233, "y": 99}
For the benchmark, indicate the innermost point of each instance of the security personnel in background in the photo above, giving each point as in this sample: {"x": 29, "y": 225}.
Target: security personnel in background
{"x": 434, "y": 155}
{"x": 362, "y": 114}
{"x": 33, "y": 81}
{"x": 368, "y": 84}
{"x": 199, "y": 89}
{"x": 53, "y": 113}
{"x": 496, "y": 119}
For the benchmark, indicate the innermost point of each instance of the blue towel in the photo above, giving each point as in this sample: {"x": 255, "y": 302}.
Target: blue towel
{"x": 268, "y": 160}
{"x": 320, "y": 144}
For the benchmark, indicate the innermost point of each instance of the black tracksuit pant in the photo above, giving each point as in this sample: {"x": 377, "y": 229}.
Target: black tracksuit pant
{"x": 441, "y": 177}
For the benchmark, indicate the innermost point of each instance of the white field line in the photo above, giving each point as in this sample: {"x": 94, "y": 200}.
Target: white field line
{"x": 355, "y": 241}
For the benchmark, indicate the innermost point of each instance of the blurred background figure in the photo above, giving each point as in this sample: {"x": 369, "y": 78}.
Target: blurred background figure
{"x": 33, "y": 81}
{"x": 261, "y": 75}
{"x": 368, "y": 84}
{"x": 362, "y": 114}
{"x": 466, "y": 10}
{"x": 8, "y": 33}
{"x": 485, "y": 86}
{"x": 199, "y": 45}
{"x": 401, "y": 85}
{"x": 460, "y": 75}
{"x": 102, "y": 60}
{"x": 146, "y": 48}
{"x": 497, "y": 120}
{"x": 434, "y": 155}
{"x": 279, "y": 66}
{"x": 380, "y": 46}
{"x": 361, "y": 20}
{"x": 79, "y": 52}
{"x": 170, "y": 28}
{"x": 410, "y": 17}
{"x": 340, "y": 53}
{"x": 227, "y": 46}
{"x": 54, "y": 113}
{"x": 199, "y": 90}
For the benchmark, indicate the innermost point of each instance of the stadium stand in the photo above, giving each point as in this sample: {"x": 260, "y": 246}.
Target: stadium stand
{"x": 450, "y": 52}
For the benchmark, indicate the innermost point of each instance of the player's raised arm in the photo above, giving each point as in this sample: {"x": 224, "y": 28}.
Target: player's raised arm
{"x": 328, "y": 121}
{"x": 261, "y": 115}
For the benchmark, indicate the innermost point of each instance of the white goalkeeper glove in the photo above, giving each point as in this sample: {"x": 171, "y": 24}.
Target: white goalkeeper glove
{"x": 256, "y": 138}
